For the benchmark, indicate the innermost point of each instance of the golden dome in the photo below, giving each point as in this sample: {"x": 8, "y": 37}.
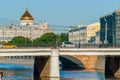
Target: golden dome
{"x": 26, "y": 16}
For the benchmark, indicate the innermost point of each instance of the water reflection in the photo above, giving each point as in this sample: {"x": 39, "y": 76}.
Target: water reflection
{"x": 16, "y": 72}
{"x": 26, "y": 73}
{"x": 44, "y": 78}
{"x": 79, "y": 75}
{"x": 82, "y": 75}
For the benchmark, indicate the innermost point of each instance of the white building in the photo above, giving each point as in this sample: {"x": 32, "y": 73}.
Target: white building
{"x": 77, "y": 34}
{"x": 91, "y": 31}
{"x": 82, "y": 34}
{"x": 97, "y": 38}
{"x": 27, "y": 28}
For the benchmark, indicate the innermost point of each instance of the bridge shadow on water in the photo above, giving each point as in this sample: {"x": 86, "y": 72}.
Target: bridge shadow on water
{"x": 46, "y": 78}
{"x": 72, "y": 69}
{"x": 69, "y": 62}
{"x": 112, "y": 66}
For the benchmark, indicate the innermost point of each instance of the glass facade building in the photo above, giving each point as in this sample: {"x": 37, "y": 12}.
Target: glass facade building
{"x": 110, "y": 28}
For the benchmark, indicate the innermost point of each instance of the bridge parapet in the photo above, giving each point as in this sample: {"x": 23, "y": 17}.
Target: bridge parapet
{"x": 26, "y": 52}
{"x": 61, "y": 51}
{"x": 89, "y": 51}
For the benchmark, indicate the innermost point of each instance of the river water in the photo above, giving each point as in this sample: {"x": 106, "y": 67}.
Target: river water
{"x": 23, "y": 72}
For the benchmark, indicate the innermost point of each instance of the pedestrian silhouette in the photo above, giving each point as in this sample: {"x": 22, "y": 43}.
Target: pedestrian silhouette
{"x": 1, "y": 75}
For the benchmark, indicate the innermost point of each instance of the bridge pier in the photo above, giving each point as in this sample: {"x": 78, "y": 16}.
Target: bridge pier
{"x": 100, "y": 63}
{"x": 40, "y": 62}
{"x": 112, "y": 65}
{"x": 54, "y": 64}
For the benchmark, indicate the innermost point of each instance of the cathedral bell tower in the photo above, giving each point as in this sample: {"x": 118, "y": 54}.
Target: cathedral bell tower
{"x": 26, "y": 18}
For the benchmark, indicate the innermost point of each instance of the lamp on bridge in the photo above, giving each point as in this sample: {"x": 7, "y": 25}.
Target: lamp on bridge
{"x": 105, "y": 41}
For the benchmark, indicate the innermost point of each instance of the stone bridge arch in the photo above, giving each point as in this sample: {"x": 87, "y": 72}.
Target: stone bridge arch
{"x": 87, "y": 61}
{"x": 71, "y": 62}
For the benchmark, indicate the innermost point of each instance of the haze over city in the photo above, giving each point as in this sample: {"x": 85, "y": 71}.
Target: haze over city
{"x": 59, "y": 12}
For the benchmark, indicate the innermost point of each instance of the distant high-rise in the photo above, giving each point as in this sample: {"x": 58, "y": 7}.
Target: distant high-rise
{"x": 110, "y": 28}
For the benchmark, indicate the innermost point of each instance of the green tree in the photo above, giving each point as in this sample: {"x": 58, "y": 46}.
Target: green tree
{"x": 58, "y": 39}
{"x": 47, "y": 39}
{"x": 28, "y": 40}
{"x": 20, "y": 41}
{"x": 64, "y": 37}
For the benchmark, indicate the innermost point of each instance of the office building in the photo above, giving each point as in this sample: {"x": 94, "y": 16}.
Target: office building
{"x": 110, "y": 28}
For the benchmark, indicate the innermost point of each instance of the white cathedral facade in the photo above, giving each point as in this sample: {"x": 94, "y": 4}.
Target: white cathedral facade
{"x": 27, "y": 28}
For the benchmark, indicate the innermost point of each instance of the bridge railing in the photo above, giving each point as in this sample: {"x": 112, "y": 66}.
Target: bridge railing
{"x": 59, "y": 46}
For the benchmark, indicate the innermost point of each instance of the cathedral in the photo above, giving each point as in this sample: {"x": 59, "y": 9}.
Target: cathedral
{"x": 26, "y": 19}
{"x": 27, "y": 28}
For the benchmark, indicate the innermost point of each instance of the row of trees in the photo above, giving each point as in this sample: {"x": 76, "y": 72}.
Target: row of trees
{"x": 48, "y": 39}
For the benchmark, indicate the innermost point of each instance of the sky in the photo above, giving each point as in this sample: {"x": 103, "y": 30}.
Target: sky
{"x": 59, "y": 12}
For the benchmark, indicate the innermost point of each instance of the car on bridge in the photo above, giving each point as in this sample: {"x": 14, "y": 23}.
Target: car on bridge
{"x": 68, "y": 45}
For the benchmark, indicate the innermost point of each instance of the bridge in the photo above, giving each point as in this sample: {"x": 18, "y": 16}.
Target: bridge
{"x": 47, "y": 59}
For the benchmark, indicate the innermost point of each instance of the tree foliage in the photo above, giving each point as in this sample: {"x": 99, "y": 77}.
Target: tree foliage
{"x": 64, "y": 37}
{"x": 20, "y": 40}
{"x": 46, "y": 39}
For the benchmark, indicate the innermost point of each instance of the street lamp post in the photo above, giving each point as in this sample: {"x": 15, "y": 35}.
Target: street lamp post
{"x": 105, "y": 41}
{"x": 42, "y": 28}
{"x": 55, "y": 45}
{"x": 30, "y": 33}
{"x": 4, "y": 33}
{"x": 79, "y": 38}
